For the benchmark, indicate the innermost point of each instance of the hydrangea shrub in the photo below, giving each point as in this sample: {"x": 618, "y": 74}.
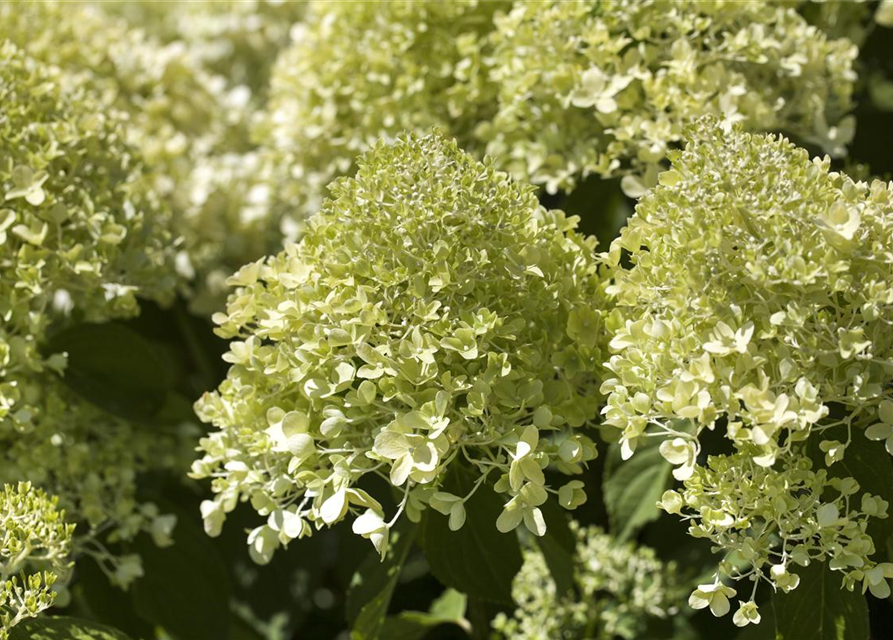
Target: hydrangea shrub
{"x": 553, "y": 91}
{"x": 602, "y": 88}
{"x": 421, "y": 348}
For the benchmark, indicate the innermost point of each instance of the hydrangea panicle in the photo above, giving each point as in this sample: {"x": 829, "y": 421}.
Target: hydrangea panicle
{"x": 35, "y": 549}
{"x": 433, "y": 314}
{"x": 759, "y": 302}
{"x": 605, "y": 87}
{"x": 81, "y": 236}
{"x": 358, "y": 72}
{"x": 774, "y": 521}
{"x": 760, "y": 294}
{"x": 620, "y": 587}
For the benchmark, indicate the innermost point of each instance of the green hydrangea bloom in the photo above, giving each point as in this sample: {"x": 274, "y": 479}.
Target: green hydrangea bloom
{"x": 759, "y": 302}
{"x": 604, "y": 87}
{"x": 433, "y": 314}
{"x": 181, "y": 117}
{"x": 35, "y": 545}
{"x": 361, "y": 71}
{"x": 775, "y": 520}
{"x": 237, "y": 39}
{"x": 80, "y": 233}
{"x": 92, "y": 460}
{"x": 81, "y": 236}
{"x": 620, "y": 587}
{"x": 553, "y": 91}
{"x": 760, "y": 293}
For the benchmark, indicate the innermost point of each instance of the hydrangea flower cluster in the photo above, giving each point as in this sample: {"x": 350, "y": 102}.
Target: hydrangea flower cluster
{"x": 604, "y": 87}
{"x": 80, "y": 232}
{"x": 775, "y": 520}
{"x": 80, "y": 237}
{"x": 35, "y": 545}
{"x": 91, "y": 461}
{"x": 759, "y": 302}
{"x": 620, "y": 587}
{"x": 760, "y": 292}
{"x": 185, "y": 121}
{"x": 358, "y": 72}
{"x": 239, "y": 39}
{"x": 553, "y": 91}
{"x": 433, "y": 315}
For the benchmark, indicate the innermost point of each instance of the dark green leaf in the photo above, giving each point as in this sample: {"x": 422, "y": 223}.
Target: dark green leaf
{"x": 820, "y": 609}
{"x": 869, "y": 463}
{"x": 185, "y": 589}
{"x": 108, "y": 603}
{"x": 449, "y": 608}
{"x": 477, "y": 559}
{"x": 602, "y": 207}
{"x": 633, "y": 487}
{"x": 558, "y": 546}
{"x": 113, "y": 367}
{"x": 62, "y": 628}
{"x": 373, "y": 585}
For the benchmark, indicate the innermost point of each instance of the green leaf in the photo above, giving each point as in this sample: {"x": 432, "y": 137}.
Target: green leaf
{"x": 106, "y": 602}
{"x": 373, "y": 585}
{"x": 185, "y": 589}
{"x": 558, "y": 546}
{"x": 63, "y": 628}
{"x": 113, "y": 367}
{"x": 633, "y": 487}
{"x": 869, "y": 463}
{"x": 819, "y": 609}
{"x": 449, "y": 608}
{"x": 604, "y": 196}
{"x": 477, "y": 559}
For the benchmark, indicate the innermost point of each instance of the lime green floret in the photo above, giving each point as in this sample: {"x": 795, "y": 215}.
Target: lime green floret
{"x": 434, "y": 314}
{"x": 362, "y": 71}
{"x": 35, "y": 545}
{"x": 622, "y": 589}
{"x": 758, "y": 303}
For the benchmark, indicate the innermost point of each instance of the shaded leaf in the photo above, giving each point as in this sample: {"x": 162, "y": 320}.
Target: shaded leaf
{"x": 558, "y": 546}
{"x": 63, "y": 628}
{"x": 820, "y": 609}
{"x": 113, "y": 367}
{"x": 108, "y": 603}
{"x": 477, "y": 559}
{"x": 373, "y": 585}
{"x": 185, "y": 587}
{"x": 633, "y": 487}
{"x": 449, "y": 608}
